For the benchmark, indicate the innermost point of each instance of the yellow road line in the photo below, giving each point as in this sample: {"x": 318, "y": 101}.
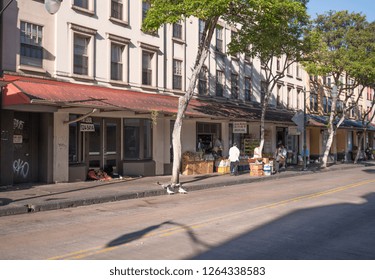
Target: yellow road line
{"x": 173, "y": 230}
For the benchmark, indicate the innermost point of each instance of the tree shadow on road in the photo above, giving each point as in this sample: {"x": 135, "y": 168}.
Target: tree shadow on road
{"x": 153, "y": 231}
{"x": 336, "y": 232}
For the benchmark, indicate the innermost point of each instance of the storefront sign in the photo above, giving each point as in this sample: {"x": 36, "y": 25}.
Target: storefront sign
{"x": 239, "y": 127}
{"x": 293, "y": 131}
{"x": 87, "y": 127}
{"x": 17, "y": 139}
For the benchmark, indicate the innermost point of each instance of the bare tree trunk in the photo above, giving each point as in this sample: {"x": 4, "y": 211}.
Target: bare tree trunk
{"x": 331, "y": 132}
{"x": 184, "y": 100}
{"x": 359, "y": 148}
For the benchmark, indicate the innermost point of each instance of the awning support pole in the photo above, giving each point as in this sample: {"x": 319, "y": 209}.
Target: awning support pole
{"x": 81, "y": 117}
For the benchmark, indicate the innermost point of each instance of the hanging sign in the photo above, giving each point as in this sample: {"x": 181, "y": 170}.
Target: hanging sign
{"x": 87, "y": 127}
{"x": 293, "y": 131}
{"x": 239, "y": 127}
{"x": 17, "y": 139}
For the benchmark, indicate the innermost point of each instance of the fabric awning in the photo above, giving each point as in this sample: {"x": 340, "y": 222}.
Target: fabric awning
{"x": 322, "y": 121}
{"x": 22, "y": 90}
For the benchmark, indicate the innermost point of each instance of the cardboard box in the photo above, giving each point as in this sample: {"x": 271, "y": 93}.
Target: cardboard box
{"x": 256, "y": 173}
{"x": 255, "y": 166}
{"x": 223, "y": 169}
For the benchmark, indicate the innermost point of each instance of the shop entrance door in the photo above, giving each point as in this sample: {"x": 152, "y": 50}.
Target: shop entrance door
{"x": 103, "y": 145}
{"x": 24, "y": 154}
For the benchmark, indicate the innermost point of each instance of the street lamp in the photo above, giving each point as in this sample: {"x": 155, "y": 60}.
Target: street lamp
{"x": 52, "y": 6}
{"x": 304, "y": 129}
{"x": 334, "y": 95}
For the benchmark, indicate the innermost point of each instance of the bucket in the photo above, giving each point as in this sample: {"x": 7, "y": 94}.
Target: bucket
{"x": 267, "y": 169}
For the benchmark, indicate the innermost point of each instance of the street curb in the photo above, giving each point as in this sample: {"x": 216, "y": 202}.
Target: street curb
{"x": 15, "y": 210}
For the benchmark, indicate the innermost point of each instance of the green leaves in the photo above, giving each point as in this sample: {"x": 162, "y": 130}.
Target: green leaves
{"x": 171, "y": 11}
{"x": 271, "y": 27}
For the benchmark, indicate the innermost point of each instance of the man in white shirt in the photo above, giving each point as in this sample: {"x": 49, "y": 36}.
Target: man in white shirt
{"x": 234, "y": 158}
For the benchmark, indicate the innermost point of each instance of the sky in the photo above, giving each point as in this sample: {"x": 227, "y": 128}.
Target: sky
{"x": 366, "y": 7}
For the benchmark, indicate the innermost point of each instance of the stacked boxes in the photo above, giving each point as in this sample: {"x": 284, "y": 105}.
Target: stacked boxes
{"x": 256, "y": 169}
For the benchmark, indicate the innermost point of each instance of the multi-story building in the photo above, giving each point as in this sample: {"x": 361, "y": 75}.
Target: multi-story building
{"x": 351, "y": 102}
{"x": 87, "y": 88}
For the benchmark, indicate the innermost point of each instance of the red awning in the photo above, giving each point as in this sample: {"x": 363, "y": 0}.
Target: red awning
{"x": 24, "y": 90}
{"x": 21, "y": 90}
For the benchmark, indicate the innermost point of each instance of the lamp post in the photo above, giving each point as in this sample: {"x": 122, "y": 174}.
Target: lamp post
{"x": 334, "y": 95}
{"x": 304, "y": 129}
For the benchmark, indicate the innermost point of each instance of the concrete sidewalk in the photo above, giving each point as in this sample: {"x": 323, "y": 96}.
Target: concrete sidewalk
{"x": 33, "y": 198}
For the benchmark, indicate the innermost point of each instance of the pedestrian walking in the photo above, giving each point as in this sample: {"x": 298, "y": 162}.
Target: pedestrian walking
{"x": 280, "y": 155}
{"x": 234, "y": 158}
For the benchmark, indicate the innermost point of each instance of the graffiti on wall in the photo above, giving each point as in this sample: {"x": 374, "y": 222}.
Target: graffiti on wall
{"x": 18, "y": 124}
{"x": 21, "y": 168}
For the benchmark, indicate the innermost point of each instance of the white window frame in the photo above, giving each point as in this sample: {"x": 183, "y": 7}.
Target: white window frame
{"x": 248, "y": 82}
{"x": 219, "y": 35}
{"x": 32, "y": 40}
{"x": 90, "y": 35}
{"x": 177, "y": 73}
{"x": 180, "y": 34}
{"x": 220, "y": 77}
{"x": 125, "y": 15}
{"x": 124, "y": 44}
{"x": 153, "y": 51}
{"x": 203, "y": 80}
{"x": 89, "y": 10}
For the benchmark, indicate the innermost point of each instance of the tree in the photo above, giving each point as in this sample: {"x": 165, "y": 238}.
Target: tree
{"x": 171, "y": 11}
{"x": 271, "y": 30}
{"x": 346, "y": 49}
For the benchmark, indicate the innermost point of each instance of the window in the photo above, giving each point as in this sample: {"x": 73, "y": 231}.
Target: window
{"x": 31, "y": 45}
{"x": 299, "y": 99}
{"x": 137, "y": 139}
{"x": 219, "y": 39}
{"x": 82, "y": 4}
{"x": 74, "y": 137}
{"x": 147, "y": 68}
{"x": 339, "y": 106}
{"x": 83, "y": 51}
{"x": 313, "y": 102}
{"x": 219, "y": 83}
{"x": 247, "y": 89}
{"x": 278, "y": 96}
{"x": 289, "y": 98}
{"x": 234, "y": 36}
{"x": 278, "y": 64}
{"x": 289, "y": 70}
{"x": 116, "y": 62}
{"x": 247, "y": 58}
{"x": 202, "y": 25}
{"x": 117, "y": 9}
{"x": 325, "y": 104}
{"x": 145, "y": 7}
{"x": 202, "y": 83}
{"x": 234, "y": 86}
{"x": 298, "y": 71}
{"x": 81, "y": 58}
{"x": 177, "y": 74}
{"x": 177, "y": 30}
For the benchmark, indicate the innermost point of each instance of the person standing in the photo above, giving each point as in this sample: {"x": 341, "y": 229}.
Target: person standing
{"x": 280, "y": 155}
{"x": 234, "y": 158}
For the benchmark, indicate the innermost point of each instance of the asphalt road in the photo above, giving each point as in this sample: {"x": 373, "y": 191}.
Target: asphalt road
{"x": 319, "y": 216}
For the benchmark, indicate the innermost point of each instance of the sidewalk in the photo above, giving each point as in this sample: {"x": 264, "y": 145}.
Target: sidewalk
{"x": 33, "y": 198}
